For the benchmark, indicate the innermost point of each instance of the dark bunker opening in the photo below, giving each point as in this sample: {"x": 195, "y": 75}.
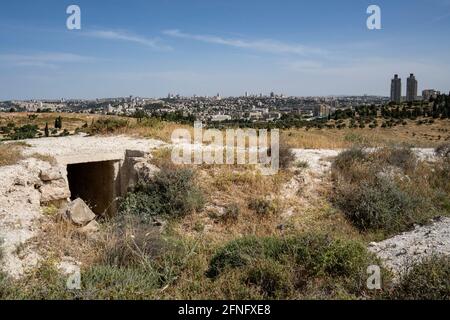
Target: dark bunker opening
{"x": 94, "y": 182}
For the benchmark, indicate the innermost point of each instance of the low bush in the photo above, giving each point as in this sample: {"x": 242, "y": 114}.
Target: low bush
{"x": 348, "y": 157}
{"x": 231, "y": 213}
{"x": 27, "y": 131}
{"x": 113, "y": 283}
{"x": 389, "y": 190}
{"x": 427, "y": 280}
{"x": 172, "y": 192}
{"x": 273, "y": 280}
{"x": 403, "y": 158}
{"x": 107, "y": 125}
{"x": 43, "y": 283}
{"x": 310, "y": 259}
{"x": 262, "y": 207}
{"x": 97, "y": 282}
{"x": 374, "y": 205}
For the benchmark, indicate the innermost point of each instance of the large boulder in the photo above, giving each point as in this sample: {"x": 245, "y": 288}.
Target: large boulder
{"x": 79, "y": 213}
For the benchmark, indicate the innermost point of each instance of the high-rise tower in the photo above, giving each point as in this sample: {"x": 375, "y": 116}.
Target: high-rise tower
{"x": 396, "y": 89}
{"x": 411, "y": 88}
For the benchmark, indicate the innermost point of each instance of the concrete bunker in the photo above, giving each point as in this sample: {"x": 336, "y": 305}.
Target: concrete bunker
{"x": 101, "y": 180}
{"x": 95, "y": 183}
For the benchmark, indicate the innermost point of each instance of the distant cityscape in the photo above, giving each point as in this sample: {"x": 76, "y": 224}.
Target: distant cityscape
{"x": 249, "y": 106}
{"x": 411, "y": 90}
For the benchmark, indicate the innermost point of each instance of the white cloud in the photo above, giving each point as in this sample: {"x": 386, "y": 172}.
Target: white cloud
{"x": 266, "y": 45}
{"x": 124, "y": 36}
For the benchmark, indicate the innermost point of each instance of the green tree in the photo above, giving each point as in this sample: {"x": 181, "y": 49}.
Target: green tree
{"x": 58, "y": 123}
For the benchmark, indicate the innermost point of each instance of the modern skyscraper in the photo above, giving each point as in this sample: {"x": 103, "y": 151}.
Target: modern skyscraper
{"x": 396, "y": 89}
{"x": 411, "y": 88}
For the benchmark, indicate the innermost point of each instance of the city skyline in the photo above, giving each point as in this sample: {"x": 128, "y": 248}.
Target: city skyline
{"x": 151, "y": 49}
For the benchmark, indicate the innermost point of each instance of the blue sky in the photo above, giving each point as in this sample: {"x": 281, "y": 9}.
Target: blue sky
{"x": 149, "y": 48}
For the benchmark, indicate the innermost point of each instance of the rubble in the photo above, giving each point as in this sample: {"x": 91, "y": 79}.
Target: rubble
{"x": 400, "y": 251}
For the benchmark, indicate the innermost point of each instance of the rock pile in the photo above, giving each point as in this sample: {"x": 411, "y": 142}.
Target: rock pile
{"x": 399, "y": 252}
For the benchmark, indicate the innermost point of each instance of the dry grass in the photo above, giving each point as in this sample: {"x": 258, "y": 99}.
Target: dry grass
{"x": 161, "y": 130}
{"x": 426, "y": 135}
{"x": 230, "y": 186}
{"x": 71, "y": 121}
{"x": 61, "y": 238}
{"x": 430, "y": 135}
{"x": 227, "y": 187}
{"x": 11, "y": 153}
{"x": 44, "y": 157}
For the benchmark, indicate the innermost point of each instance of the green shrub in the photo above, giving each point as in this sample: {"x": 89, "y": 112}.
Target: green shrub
{"x": 403, "y": 158}
{"x": 262, "y": 207}
{"x": 27, "y": 131}
{"x": 442, "y": 175}
{"x": 97, "y": 282}
{"x": 5, "y": 129}
{"x": 389, "y": 189}
{"x": 112, "y": 283}
{"x": 346, "y": 158}
{"x": 315, "y": 254}
{"x": 306, "y": 265}
{"x": 379, "y": 204}
{"x": 171, "y": 192}
{"x": 231, "y": 213}
{"x": 344, "y": 258}
{"x": 107, "y": 125}
{"x": 428, "y": 280}
{"x": 43, "y": 283}
{"x": 273, "y": 279}
{"x": 58, "y": 123}
{"x": 234, "y": 254}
